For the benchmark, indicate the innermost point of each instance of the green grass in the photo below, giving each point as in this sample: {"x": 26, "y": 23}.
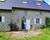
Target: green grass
{"x": 44, "y": 36}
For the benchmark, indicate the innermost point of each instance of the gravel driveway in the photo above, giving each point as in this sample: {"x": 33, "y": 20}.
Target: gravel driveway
{"x": 24, "y": 34}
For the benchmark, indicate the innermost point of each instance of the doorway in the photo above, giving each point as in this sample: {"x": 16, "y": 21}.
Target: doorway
{"x": 23, "y": 22}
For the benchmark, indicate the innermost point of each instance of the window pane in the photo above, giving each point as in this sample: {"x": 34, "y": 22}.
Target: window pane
{"x": 37, "y": 20}
{"x": 0, "y": 19}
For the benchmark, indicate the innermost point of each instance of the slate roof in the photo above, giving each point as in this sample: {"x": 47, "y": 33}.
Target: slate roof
{"x": 7, "y": 4}
{"x": 31, "y": 4}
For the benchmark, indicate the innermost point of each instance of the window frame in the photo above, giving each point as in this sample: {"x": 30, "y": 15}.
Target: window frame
{"x": 37, "y": 20}
{"x": 40, "y": 21}
{"x": 2, "y": 19}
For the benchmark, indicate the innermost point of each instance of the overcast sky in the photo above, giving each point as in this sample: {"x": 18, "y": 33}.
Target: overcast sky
{"x": 47, "y": 1}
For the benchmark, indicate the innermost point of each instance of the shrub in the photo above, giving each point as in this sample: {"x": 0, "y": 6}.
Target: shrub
{"x": 43, "y": 26}
{"x": 13, "y": 27}
{"x": 48, "y": 22}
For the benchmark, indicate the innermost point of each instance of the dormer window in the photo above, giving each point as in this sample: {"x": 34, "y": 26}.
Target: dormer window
{"x": 2, "y": 0}
{"x": 37, "y": 20}
{"x": 2, "y": 18}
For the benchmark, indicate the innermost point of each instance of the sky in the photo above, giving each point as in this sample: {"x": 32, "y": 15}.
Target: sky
{"x": 47, "y": 1}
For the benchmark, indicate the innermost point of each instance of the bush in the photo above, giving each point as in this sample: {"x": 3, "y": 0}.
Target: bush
{"x": 48, "y": 22}
{"x": 43, "y": 26}
{"x": 13, "y": 27}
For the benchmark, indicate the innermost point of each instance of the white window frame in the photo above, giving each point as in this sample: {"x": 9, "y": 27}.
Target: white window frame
{"x": 3, "y": 18}
{"x": 37, "y": 23}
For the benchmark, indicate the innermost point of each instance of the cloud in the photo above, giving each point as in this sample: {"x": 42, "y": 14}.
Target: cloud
{"x": 47, "y": 1}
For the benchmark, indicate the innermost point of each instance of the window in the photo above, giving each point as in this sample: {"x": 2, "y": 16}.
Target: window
{"x": 2, "y": 19}
{"x": 37, "y": 21}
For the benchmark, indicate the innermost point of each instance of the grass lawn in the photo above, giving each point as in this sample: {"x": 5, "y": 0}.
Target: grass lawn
{"x": 44, "y": 36}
